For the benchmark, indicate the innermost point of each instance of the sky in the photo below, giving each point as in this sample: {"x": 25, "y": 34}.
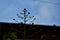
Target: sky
{"x": 46, "y": 12}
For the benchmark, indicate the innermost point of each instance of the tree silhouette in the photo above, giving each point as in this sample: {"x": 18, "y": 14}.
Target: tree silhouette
{"x": 25, "y": 19}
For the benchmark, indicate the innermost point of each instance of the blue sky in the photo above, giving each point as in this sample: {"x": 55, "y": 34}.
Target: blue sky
{"x": 46, "y": 11}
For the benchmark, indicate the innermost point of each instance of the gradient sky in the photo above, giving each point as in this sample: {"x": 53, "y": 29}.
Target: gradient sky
{"x": 46, "y": 11}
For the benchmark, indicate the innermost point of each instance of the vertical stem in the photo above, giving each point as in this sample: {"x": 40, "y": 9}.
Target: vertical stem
{"x": 24, "y": 33}
{"x": 24, "y": 24}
